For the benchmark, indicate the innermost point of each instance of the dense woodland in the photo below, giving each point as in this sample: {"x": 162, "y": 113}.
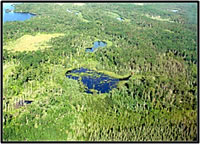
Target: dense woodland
{"x": 158, "y": 103}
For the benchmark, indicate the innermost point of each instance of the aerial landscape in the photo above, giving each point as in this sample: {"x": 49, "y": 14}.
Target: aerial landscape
{"x": 99, "y": 71}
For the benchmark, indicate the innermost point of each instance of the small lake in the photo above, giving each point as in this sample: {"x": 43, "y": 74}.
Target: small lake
{"x": 9, "y": 15}
{"x": 120, "y": 19}
{"x": 76, "y": 13}
{"x": 174, "y": 10}
{"x": 96, "y": 44}
{"x": 69, "y": 11}
{"x": 93, "y": 80}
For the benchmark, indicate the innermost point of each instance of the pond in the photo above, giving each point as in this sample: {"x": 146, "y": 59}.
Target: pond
{"x": 120, "y": 19}
{"x": 22, "y": 103}
{"x": 9, "y": 15}
{"x": 69, "y": 11}
{"x": 76, "y": 13}
{"x": 93, "y": 80}
{"x": 174, "y": 10}
{"x": 96, "y": 44}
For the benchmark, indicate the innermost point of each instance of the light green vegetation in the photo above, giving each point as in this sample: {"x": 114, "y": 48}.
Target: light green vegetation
{"x": 112, "y": 14}
{"x": 80, "y": 16}
{"x": 31, "y": 43}
{"x": 158, "y": 18}
{"x": 115, "y": 15}
{"x": 169, "y": 31}
{"x": 114, "y": 75}
{"x": 79, "y": 4}
{"x": 140, "y": 4}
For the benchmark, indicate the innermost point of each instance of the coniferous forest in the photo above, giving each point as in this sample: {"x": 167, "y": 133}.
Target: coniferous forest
{"x": 149, "y": 58}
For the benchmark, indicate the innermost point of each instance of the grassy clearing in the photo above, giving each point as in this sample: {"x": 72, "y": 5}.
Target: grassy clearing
{"x": 79, "y": 4}
{"x": 115, "y": 15}
{"x": 80, "y": 16}
{"x": 114, "y": 75}
{"x": 127, "y": 20}
{"x": 158, "y": 18}
{"x": 60, "y": 4}
{"x": 112, "y": 14}
{"x": 31, "y": 43}
{"x": 168, "y": 31}
{"x": 140, "y": 4}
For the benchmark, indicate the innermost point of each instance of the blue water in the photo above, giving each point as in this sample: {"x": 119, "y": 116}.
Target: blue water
{"x": 12, "y": 16}
{"x": 97, "y": 44}
{"x": 120, "y": 19}
{"x": 69, "y": 11}
{"x": 174, "y": 10}
{"x": 94, "y": 80}
{"x": 28, "y": 101}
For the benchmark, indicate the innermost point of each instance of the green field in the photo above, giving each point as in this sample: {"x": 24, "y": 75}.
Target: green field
{"x": 30, "y": 43}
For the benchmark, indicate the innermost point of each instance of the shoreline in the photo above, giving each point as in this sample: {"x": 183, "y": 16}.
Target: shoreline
{"x": 17, "y": 11}
{"x": 109, "y": 73}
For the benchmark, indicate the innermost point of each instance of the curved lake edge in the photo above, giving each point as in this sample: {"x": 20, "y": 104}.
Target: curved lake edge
{"x": 108, "y": 43}
{"x": 24, "y": 12}
{"x": 11, "y": 8}
{"x": 80, "y": 73}
{"x": 108, "y": 73}
{"x": 94, "y": 48}
{"x": 34, "y": 14}
{"x": 21, "y": 11}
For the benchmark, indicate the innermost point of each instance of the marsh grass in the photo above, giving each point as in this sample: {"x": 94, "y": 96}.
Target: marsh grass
{"x": 31, "y": 43}
{"x": 159, "y": 18}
